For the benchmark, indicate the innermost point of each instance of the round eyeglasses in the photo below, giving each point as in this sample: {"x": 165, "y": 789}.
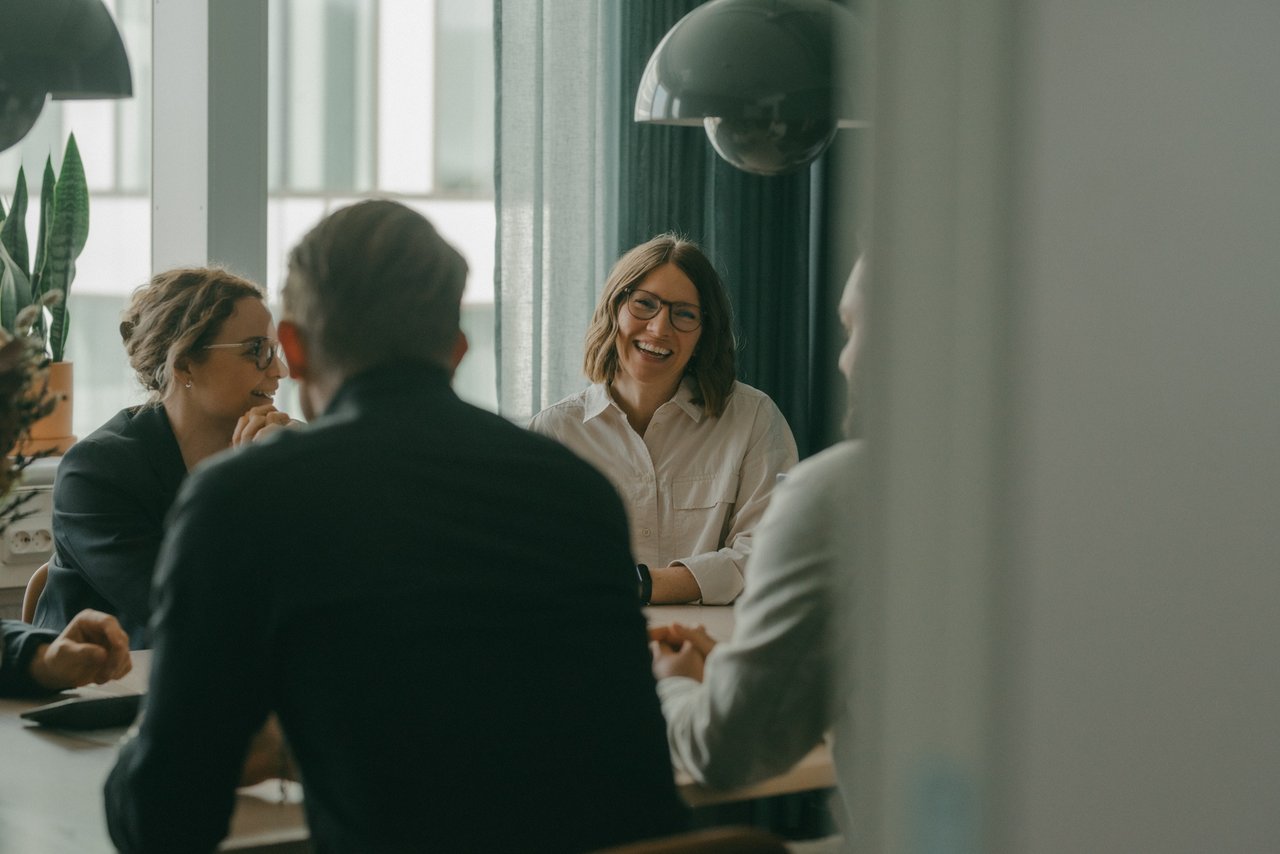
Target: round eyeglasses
{"x": 643, "y": 305}
{"x": 263, "y": 351}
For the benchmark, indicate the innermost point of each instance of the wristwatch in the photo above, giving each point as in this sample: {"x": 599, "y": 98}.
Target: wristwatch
{"x": 646, "y": 583}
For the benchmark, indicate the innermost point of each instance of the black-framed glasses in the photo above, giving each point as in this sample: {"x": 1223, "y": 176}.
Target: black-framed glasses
{"x": 644, "y": 305}
{"x": 262, "y": 350}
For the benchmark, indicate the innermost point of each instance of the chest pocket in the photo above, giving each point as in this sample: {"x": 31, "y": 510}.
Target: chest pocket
{"x": 702, "y": 507}
{"x": 704, "y": 491}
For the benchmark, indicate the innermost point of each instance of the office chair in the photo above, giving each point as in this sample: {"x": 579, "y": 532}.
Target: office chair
{"x": 35, "y": 586}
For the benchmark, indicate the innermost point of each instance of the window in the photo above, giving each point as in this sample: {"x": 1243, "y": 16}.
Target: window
{"x": 366, "y": 97}
{"x": 114, "y": 138}
{"x": 389, "y": 98}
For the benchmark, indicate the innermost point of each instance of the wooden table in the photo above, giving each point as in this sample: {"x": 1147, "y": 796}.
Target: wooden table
{"x": 51, "y": 781}
{"x": 51, "y": 787}
{"x": 718, "y": 619}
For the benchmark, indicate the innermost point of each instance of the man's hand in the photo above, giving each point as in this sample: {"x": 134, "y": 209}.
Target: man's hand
{"x": 674, "y": 635}
{"x": 684, "y": 660}
{"x": 258, "y": 423}
{"x": 92, "y": 648}
{"x": 679, "y": 650}
{"x": 268, "y": 756}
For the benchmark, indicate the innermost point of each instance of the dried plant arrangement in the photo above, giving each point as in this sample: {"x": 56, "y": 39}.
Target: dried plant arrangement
{"x": 24, "y": 400}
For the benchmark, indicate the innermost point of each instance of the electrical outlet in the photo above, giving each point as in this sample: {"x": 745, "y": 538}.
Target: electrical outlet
{"x": 19, "y": 541}
{"x": 28, "y": 541}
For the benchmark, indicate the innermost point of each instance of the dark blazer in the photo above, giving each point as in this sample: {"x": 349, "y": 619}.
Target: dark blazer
{"x": 18, "y": 643}
{"x": 442, "y": 609}
{"x": 110, "y": 498}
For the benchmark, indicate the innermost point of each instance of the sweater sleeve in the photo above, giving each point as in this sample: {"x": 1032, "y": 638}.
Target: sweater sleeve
{"x": 764, "y": 701}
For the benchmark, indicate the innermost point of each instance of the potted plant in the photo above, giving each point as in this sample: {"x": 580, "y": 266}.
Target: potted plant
{"x": 22, "y": 404}
{"x": 42, "y": 282}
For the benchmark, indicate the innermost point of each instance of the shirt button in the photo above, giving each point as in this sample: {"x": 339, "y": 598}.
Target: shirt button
{"x": 644, "y": 532}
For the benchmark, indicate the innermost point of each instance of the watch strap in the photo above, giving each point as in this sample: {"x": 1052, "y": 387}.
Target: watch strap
{"x": 646, "y": 583}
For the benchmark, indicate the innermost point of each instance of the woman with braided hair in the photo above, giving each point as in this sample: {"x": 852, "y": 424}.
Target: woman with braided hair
{"x": 202, "y": 343}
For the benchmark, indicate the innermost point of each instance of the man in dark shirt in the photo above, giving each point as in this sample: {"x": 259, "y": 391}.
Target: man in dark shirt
{"x": 399, "y": 582}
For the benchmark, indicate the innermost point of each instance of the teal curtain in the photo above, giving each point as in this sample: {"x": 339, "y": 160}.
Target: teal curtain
{"x": 763, "y": 234}
{"x": 552, "y": 178}
{"x": 578, "y": 182}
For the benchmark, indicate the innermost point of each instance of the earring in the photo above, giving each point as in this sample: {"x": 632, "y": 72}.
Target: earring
{"x": 187, "y": 384}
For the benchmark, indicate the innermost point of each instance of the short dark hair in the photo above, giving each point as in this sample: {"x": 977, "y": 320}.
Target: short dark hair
{"x": 170, "y": 319}
{"x": 712, "y": 365}
{"x": 373, "y": 283}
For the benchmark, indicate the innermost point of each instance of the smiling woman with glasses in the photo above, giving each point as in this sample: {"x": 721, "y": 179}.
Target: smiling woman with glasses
{"x": 202, "y": 343}
{"x": 693, "y": 453}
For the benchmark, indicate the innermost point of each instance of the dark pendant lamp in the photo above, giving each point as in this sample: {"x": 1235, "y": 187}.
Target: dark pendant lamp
{"x": 67, "y": 49}
{"x": 759, "y": 76}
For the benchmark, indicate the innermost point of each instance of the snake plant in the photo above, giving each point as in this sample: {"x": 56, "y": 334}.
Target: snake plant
{"x": 27, "y": 289}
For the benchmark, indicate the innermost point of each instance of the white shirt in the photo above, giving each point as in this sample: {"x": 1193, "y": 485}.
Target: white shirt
{"x": 694, "y": 486}
{"x": 767, "y": 694}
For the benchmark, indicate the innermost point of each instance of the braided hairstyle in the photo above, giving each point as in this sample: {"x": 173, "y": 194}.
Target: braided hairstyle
{"x": 171, "y": 318}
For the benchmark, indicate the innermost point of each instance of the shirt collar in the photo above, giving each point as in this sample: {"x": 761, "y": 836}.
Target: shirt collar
{"x": 684, "y": 398}
{"x": 598, "y": 399}
{"x": 390, "y": 381}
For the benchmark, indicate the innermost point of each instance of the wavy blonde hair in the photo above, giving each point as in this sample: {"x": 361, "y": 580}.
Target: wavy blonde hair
{"x": 712, "y": 363}
{"x": 170, "y": 319}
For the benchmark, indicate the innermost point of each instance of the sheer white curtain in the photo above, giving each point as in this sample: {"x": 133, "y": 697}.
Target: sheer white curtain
{"x": 552, "y": 165}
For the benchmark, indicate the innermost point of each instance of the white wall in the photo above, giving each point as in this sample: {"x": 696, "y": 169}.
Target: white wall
{"x": 1145, "y": 682}
{"x": 1066, "y": 608}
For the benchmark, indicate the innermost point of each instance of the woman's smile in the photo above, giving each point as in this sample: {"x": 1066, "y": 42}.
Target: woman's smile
{"x": 653, "y": 351}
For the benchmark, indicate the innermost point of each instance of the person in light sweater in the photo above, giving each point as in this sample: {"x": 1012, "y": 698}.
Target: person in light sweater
{"x": 201, "y": 341}
{"x": 749, "y": 708}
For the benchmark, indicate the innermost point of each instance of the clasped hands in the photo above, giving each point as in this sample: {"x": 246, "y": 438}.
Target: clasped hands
{"x": 679, "y": 650}
{"x": 258, "y": 423}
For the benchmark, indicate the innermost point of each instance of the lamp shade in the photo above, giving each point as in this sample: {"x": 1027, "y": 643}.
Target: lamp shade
{"x": 60, "y": 48}
{"x": 759, "y": 76}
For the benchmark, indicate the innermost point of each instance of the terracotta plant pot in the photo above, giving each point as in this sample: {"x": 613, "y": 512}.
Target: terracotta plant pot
{"x": 53, "y": 432}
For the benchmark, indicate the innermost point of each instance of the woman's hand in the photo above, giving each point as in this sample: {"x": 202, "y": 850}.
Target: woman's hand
{"x": 258, "y": 423}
